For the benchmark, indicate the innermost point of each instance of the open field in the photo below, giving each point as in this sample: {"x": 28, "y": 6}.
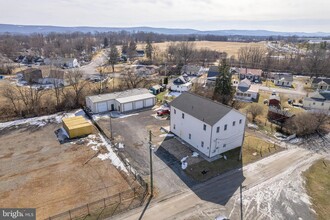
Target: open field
{"x": 318, "y": 185}
{"x": 231, "y": 48}
{"x": 39, "y": 172}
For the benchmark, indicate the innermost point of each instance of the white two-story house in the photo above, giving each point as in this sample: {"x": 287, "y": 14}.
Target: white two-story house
{"x": 210, "y": 127}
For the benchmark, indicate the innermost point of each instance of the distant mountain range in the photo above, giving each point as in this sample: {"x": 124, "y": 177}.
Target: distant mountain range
{"x": 29, "y": 29}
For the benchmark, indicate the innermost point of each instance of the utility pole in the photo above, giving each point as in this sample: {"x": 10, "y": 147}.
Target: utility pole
{"x": 110, "y": 126}
{"x": 151, "y": 174}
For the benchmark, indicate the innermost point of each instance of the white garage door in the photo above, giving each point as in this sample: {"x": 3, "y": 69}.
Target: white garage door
{"x": 128, "y": 107}
{"x": 102, "y": 107}
{"x": 149, "y": 102}
{"x": 138, "y": 104}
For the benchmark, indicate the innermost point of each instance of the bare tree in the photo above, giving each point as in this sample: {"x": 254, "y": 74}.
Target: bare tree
{"x": 10, "y": 93}
{"x": 306, "y": 123}
{"x": 75, "y": 79}
{"x": 113, "y": 56}
{"x": 132, "y": 80}
{"x": 255, "y": 110}
{"x": 185, "y": 51}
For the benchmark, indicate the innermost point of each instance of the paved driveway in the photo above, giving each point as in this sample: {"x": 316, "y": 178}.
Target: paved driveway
{"x": 132, "y": 131}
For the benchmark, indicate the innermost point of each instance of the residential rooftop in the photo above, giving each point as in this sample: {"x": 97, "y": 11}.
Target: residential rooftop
{"x": 201, "y": 108}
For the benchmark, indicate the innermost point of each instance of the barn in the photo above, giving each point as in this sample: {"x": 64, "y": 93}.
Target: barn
{"x": 125, "y": 101}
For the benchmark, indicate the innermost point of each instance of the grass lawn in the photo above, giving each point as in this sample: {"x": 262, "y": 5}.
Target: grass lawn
{"x": 318, "y": 187}
{"x": 268, "y": 83}
{"x": 253, "y": 149}
{"x": 160, "y": 96}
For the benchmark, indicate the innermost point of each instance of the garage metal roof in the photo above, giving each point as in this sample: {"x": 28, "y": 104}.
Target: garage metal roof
{"x": 118, "y": 95}
{"x": 135, "y": 98}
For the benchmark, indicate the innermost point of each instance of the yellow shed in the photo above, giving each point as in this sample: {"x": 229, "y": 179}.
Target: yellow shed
{"x": 77, "y": 126}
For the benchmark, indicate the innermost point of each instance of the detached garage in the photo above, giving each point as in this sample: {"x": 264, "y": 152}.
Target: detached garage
{"x": 125, "y": 101}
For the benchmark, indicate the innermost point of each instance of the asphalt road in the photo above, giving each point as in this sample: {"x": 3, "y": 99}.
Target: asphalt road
{"x": 272, "y": 189}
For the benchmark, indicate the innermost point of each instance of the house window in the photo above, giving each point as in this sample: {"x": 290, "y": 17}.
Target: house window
{"x": 183, "y": 115}
{"x": 240, "y": 121}
{"x": 322, "y": 103}
{"x": 204, "y": 127}
{"x": 287, "y": 83}
{"x": 174, "y": 126}
{"x": 224, "y": 145}
{"x": 189, "y": 136}
{"x": 234, "y": 122}
{"x": 202, "y": 143}
{"x": 174, "y": 111}
{"x": 225, "y": 128}
{"x": 218, "y": 129}
{"x": 313, "y": 103}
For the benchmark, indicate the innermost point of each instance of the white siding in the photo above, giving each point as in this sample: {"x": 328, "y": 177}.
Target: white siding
{"x": 232, "y": 137}
{"x": 182, "y": 88}
{"x": 311, "y": 104}
{"x": 193, "y": 126}
{"x": 102, "y": 107}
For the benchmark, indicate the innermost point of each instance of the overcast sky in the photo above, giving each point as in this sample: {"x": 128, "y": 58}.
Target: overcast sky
{"x": 276, "y": 15}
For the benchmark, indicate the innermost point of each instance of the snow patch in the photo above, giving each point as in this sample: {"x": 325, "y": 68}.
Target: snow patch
{"x": 166, "y": 135}
{"x": 195, "y": 154}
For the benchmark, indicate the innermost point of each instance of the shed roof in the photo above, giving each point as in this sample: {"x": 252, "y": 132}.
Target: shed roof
{"x": 117, "y": 95}
{"x": 255, "y": 72}
{"x": 201, "y": 108}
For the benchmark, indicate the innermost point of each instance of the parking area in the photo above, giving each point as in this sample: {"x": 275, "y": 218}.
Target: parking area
{"x": 132, "y": 131}
{"x": 37, "y": 171}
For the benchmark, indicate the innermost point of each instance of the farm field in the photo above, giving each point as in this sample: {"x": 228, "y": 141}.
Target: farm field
{"x": 39, "y": 172}
{"x": 231, "y": 48}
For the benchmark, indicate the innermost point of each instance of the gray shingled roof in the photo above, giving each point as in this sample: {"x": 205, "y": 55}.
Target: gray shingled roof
{"x": 317, "y": 80}
{"x": 201, "y": 108}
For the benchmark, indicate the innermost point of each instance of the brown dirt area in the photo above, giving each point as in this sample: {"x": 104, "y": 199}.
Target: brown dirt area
{"x": 38, "y": 172}
{"x": 231, "y": 48}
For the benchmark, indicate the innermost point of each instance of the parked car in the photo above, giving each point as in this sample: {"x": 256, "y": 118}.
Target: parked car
{"x": 163, "y": 112}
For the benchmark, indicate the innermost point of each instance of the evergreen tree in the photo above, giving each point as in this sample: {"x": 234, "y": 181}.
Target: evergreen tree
{"x": 113, "y": 56}
{"x": 131, "y": 49}
{"x": 105, "y": 42}
{"x": 149, "y": 50}
{"x": 223, "y": 91}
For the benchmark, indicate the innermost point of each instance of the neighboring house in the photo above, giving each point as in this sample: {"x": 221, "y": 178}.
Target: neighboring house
{"x": 274, "y": 101}
{"x": 212, "y": 75}
{"x": 254, "y": 75}
{"x": 191, "y": 70}
{"x": 317, "y": 101}
{"x": 246, "y": 91}
{"x": 321, "y": 84}
{"x": 277, "y": 115}
{"x": 211, "y": 128}
{"x": 181, "y": 84}
{"x": 129, "y": 100}
{"x": 56, "y": 78}
{"x": 283, "y": 79}
{"x": 62, "y": 62}
{"x": 30, "y": 75}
